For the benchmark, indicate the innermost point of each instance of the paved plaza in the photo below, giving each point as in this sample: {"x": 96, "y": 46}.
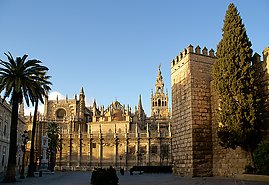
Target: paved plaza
{"x": 83, "y": 178}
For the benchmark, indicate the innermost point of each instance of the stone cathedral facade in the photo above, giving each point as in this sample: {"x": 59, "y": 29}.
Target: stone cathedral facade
{"x": 99, "y": 136}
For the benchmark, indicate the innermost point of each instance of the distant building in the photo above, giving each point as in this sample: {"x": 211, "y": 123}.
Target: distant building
{"x": 113, "y": 136}
{"x": 5, "y": 123}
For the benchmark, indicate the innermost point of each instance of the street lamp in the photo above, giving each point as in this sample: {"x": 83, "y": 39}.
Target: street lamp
{"x": 25, "y": 139}
{"x": 120, "y": 160}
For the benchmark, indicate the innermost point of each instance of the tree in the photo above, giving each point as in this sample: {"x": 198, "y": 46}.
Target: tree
{"x": 54, "y": 142}
{"x": 237, "y": 85}
{"x": 41, "y": 91}
{"x": 19, "y": 79}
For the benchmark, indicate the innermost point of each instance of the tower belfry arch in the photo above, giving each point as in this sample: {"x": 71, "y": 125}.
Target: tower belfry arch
{"x": 159, "y": 100}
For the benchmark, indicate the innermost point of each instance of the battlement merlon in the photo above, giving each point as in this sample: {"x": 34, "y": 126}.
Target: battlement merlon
{"x": 188, "y": 53}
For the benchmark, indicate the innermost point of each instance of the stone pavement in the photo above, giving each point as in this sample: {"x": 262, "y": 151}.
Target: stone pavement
{"x": 83, "y": 178}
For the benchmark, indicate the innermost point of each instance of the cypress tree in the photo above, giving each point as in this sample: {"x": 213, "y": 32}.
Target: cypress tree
{"x": 237, "y": 85}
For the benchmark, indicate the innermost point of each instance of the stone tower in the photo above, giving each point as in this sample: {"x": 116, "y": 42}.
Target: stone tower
{"x": 159, "y": 100}
{"x": 191, "y": 112}
{"x": 81, "y": 104}
{"x": 140, "y": 110}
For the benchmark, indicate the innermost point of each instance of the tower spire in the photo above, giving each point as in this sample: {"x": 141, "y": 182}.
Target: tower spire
{"x": 81, "y": 104}
{"x": 159, "y": 100}
{"x": 159, "y": 81}
{"x": 82, "y": 91}
{"x": 94, "y": 103}
{"x": 140, "y": 103}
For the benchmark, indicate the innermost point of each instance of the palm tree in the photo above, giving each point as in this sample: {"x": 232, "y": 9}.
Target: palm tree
{"x": 19, "y": 78}
{"x": 40, "y": 92}
{"x": 54, "y": 142}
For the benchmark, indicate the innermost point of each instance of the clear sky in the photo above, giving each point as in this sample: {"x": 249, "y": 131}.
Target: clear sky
{"x": 113, "y": 48}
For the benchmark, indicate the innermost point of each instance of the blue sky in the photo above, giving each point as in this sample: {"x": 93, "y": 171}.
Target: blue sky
{"x": 113, "y": 48}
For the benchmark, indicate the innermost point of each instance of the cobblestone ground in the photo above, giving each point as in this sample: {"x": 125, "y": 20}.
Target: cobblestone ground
{"x": 83, "y": 178}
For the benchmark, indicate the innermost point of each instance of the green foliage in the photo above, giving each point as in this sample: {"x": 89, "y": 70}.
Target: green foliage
{"x": 104, "y": 177}
{"x": 20, "y": 78}
{"x": 54, "y": 142}
{"x": 53, "y": 135}
{"x": 23, "y": 78}
{"x": 261, "y": 158}
{"x": 43, "y": 86}
{"x": 237, "y": 85}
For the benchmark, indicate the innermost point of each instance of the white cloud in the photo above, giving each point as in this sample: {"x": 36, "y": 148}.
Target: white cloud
{"x": 30, "y": 109}
{"x": 53, "y": 95}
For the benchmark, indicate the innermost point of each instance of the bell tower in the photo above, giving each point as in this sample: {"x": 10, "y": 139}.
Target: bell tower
{"x": 159, "y": 100}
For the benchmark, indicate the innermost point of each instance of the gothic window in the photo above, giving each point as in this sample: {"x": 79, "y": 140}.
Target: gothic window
{"x": 162, "y": 103}
{"x": 159, "y": 102}
{"x": 60, "y": 113}
{"x": 155, "y": 103}
{"x": 165, "y": 103}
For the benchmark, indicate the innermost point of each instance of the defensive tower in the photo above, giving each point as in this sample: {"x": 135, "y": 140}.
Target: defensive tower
{"x": 191, "y": 117}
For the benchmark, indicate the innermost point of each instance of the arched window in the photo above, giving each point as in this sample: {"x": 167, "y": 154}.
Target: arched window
{"x": 159, "y": 102}
{"x": 60, "y": 113}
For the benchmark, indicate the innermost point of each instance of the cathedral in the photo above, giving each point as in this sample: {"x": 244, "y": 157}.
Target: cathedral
{"x": 99, "y": 136}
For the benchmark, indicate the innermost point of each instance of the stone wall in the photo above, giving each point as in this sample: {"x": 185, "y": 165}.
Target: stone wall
{"x": 191, "y": 112}
{"x": 195, "y": 146}
{"x": 226, "y": 162}
{"x": 201, "y": 66}
{"x": 181, "y": 120}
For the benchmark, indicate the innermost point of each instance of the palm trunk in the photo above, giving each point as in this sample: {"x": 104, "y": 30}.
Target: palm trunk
{"x": 32, "y": 151}
{"x": 52, "y": 160}
{"x": 10, "y": 175}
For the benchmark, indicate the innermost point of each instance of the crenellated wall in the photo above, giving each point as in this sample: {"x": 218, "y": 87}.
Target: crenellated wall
{"x": 195, "y": 146}
{"x": 191, "y": 112}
